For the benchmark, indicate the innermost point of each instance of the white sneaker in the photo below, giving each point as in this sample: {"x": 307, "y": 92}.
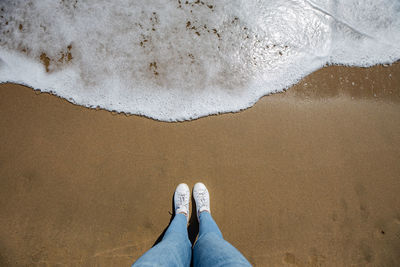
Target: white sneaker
{"x": 202, "y": 198}
{"x": 181, "y": 199}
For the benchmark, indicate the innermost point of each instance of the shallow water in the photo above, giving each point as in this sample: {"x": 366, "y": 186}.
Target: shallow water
{"x": 180, "y": 60}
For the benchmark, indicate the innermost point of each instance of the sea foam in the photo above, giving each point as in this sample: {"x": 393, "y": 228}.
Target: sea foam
{"x": 180, "y": 60}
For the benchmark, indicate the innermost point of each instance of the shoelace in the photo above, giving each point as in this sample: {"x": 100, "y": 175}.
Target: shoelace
{"x": 182, "y": 200}
{"x": 202, "y": 199}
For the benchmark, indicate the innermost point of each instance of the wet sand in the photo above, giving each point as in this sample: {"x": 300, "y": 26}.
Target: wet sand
{"x": 310, "y": 177}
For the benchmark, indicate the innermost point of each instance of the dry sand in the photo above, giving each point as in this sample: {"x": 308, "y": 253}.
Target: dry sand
{"x": 310, "y": 177}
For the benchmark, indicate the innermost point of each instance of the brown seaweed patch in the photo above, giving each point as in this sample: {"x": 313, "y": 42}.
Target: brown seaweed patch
{"x": 64, "y": 57}
{"x": 216, "y": 33}
{"x": 192, "y": 57}
{"x": 153, "y": 67}
{"x": 154, "y": 20}
{"x": 197, "y": 3}
{"x": 143, "y": 42}
{"x": 69, "y": 54}
{"x": 45, "y": 61}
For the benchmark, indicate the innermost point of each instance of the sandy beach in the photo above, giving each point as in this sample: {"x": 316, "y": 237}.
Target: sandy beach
{"x": 309, "y": 177}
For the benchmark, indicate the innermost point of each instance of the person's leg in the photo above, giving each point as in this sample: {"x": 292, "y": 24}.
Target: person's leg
{"x": 175, "y": 249}
{"x": 211, "y": 249}
{"x": 208, "y": 225}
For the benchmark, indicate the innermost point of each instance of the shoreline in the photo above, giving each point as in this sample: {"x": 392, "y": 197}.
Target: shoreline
{"x": 329, "y": 81}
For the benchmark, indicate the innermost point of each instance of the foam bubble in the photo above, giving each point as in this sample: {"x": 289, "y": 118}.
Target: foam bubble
{"x": 180, "y": 60}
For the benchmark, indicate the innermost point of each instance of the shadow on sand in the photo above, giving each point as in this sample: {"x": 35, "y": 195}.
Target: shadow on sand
{"x": 193, "y": 227}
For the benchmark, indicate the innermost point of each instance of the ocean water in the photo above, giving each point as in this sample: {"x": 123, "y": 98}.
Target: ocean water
{"x": 181, "y": 60}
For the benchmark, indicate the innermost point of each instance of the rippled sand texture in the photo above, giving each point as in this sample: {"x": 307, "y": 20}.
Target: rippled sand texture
{"x": 309, "y": 177}
{"x": 179, "y": 60}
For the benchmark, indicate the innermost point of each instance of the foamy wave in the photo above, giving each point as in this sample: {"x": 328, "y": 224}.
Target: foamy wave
{"x": 180, "y": 60}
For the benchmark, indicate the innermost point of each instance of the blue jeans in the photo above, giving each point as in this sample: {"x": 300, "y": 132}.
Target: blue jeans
{"x": 175, "y": 248}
